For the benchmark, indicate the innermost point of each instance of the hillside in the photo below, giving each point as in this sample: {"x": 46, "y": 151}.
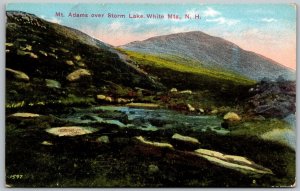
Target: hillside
{"x": 212, "y": 52}
{"x": 49, "y": 63}
{"x": 183, "y": 74}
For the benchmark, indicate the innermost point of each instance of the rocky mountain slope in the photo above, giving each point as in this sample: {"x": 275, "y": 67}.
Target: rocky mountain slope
{"x": 47, "y": 62}
{"x": 212, "y": 52}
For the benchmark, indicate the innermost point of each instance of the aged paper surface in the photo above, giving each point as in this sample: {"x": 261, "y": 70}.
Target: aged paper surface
{"x": 150, "y": 95}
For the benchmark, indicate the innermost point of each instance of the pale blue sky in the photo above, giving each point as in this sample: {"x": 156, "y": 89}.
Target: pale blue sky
{"x": 268, "y": 29}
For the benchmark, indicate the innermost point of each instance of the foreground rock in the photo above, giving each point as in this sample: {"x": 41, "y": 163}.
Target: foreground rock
{"x": 153, "y": 144}
{"x": 237, "y": 163}
{"x": 152, "y": 169}
{"x": 103, "y": 139}
{"x": 201, "y": 158}
{"x": 190, "y": 108}
{"x": 173, "y": 90}
{"x": 184, "y": 142}
{"x": 273, "y": 99}
{"x": 108, "y": 99}
{"x": 47, "y": 143}
{"x": 143, "y": 105}
{"x": 17, "y": 74}
{"x": 25, "y": 115}
{"x": 231, "y": 116}
{"x": 76, "y": 75}
{"x": 71, "y": 131}
{"x": 52, "y": 83}
{"x": 104, "y": 98}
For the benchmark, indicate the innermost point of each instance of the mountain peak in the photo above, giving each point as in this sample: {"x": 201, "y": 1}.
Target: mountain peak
{"x": 212, "y": 52}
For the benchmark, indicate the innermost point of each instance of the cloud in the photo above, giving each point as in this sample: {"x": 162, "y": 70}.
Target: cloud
{"x": 269, "y": 20}
{"x": 210, "y": 12}
{"x": 192, "y": 12}
{"x": 54, "y": 20}
{"x": 225, "y": 21}
{"x": 115, "y": 26}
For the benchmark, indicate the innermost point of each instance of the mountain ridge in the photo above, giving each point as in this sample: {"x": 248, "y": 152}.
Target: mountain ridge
{"x": 213, "y": 52}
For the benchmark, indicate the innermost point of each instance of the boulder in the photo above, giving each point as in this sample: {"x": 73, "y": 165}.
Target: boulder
{"x": 190, "y": 108}
{"x": 101, "y": 97}
{"x": 53, "y": 55}
{"x": 276, "y": 108}
{"x": 103, "y": 139}
{"x": 70, "y": 131}
{"x": 273, "y": 99}
{"x": 76, "y": 75}
{"x": 17, "y": 74}
{"x": 43, "y": 53}
{"x": 9, "y": 44}
{"x": 70, "y": 62}
{"x": 81, "y": 64}
{"x": 47, "y": 143}
{"x": 152, "y": 169}
{"x": 64, "y": 50}
{"x": 24, "y": 53}
{"x": 104, "y": 98}
{"x": 122, "y": 100}
{"x": 184, "y": 142}
{"x": 231, "y": 116}
{"x": 52, "y": 83}
{"x": 173, "y": 90}
{"x": 27, "y": 47}
{"x": 77, "y": 57}
{"x": 108, "y": 99}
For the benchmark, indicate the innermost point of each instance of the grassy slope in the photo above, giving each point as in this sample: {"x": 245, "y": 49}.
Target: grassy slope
{"x": 185, "y": 65}
{"x": 182, "y": 73}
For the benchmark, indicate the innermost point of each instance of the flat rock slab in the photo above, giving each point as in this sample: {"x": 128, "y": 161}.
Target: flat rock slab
{"x": 143, "y": 105}
{"x": 25, "y": 115}
{"x": 177, "y": 136}
{"x": 237, "y": 163}
{"x": 200, "y": 158}
{"x": 185, "y": 142}
{"x": 154, "y": 144}
{"x": 71, "y": 131}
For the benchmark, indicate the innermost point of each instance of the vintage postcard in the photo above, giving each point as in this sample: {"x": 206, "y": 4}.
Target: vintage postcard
{"x": 150, "y": 95}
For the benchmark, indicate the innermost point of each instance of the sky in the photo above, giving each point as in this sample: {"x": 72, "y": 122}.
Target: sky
{"x": 267, "y": 29}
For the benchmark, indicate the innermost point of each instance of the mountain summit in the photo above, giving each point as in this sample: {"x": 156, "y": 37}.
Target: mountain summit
{"x": 212, "y": 52}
